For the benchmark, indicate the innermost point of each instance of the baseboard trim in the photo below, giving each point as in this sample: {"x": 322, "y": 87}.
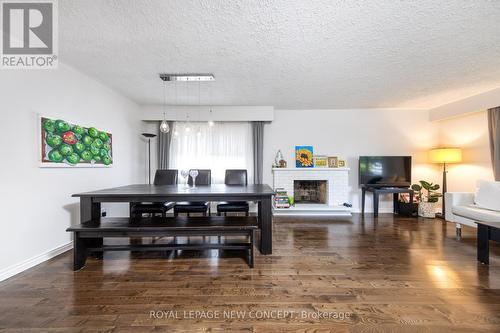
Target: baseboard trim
{"x": 370, "y": 211}
{"x": 31, "y": 262}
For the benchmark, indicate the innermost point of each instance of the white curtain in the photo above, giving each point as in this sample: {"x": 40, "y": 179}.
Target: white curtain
{"x": 225, "y": 145}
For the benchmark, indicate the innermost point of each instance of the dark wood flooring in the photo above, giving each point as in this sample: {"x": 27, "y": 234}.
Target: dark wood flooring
{"x": 364, "y": 275}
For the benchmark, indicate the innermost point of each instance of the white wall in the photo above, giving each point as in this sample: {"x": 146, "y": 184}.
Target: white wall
{"x": 469, "y": 132}
{"x": 36, "y": 203}
{"x": 351, "y": 133}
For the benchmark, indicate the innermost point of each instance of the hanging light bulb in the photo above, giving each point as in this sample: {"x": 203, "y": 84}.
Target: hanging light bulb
{"x": 176, "y": 131}
{"x": 210, "y": 121}
{"x": 164, "y": 128}
{"x": 187, "y": 129}
{"x": 210, "y": 116}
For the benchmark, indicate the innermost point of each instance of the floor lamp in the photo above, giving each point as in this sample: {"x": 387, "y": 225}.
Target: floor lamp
{"x": 149, "y": 136}
{"x": 445, "y": 156}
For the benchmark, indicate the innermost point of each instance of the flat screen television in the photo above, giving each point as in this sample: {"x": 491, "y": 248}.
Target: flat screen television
{"x": 389, "y": 171}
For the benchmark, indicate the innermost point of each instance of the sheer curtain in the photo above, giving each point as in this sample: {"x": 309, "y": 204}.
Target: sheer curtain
{"x": 494, "y": 129}
{"x": 225, "y": 145}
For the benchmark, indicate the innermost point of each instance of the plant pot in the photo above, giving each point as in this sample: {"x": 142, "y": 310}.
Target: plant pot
{"x": 427, "y": 209}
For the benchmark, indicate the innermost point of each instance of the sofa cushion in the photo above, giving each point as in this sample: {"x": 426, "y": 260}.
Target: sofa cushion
{"x": 476, "y": 213}
{"x": 488, "y": 195}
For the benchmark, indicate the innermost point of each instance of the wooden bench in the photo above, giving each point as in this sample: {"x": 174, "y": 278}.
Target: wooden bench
{"x": 88, "y": 237}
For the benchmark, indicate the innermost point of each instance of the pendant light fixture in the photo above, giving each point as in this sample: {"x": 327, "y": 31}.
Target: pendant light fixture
{"x": 187, "y": 129}
{"x": 210, "y": 113}
{"x": 176, "y": 131}
{"x": 188, "y": 124}
{"x": 164, "y": 128}
{"x": 198, "y": 132}
{"x": 186, "y": 77}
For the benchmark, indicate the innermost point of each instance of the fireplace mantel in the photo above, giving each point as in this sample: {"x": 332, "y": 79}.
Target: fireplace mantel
{"x": 338, "y": 190}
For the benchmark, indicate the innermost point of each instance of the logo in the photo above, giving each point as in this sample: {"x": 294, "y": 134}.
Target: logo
{"x": 29, "y": 34}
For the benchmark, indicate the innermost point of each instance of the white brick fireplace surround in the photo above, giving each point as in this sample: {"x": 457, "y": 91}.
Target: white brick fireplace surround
{"x": 337, "y": 190}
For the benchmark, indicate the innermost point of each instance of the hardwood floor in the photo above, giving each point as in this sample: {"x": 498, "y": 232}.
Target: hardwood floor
{"x": 365, "y": 275}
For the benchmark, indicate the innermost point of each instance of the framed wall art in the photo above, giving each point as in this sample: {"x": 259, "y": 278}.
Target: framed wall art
{"x": 304, "y": 157}
{"x": 66, "y": 144}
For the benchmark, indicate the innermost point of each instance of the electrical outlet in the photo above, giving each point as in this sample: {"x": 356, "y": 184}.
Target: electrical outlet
{"x": 103, "y": 212}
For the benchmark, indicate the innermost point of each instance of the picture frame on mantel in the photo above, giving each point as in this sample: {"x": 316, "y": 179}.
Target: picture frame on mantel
{"x": 333, "y": 161}
{"x": 320, "y": 161}
{"x": 341, "y": 163}
{"x": 304, "y": 157}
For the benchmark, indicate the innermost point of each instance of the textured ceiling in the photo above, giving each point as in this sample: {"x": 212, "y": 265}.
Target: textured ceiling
{"x": 288, "y": 54}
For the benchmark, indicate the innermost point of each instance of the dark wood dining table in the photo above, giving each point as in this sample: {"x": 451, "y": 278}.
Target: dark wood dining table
{"x": 90, "y": 202}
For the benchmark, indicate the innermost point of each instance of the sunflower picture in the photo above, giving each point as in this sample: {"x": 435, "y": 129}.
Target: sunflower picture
{"x": 304, "y": 157}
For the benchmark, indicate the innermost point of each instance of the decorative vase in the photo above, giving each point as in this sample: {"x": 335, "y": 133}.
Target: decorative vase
{"x": 427, "y": 209}
{"x": 278, "y": 158}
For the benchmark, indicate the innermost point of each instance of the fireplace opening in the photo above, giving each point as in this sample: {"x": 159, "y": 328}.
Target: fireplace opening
{"x": 309, "y": 191}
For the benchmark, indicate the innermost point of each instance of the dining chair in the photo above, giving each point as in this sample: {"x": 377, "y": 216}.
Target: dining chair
{"x": 234, "y": 177}
{"x": 204, "y": 178}
{"x": 162, "y": 177}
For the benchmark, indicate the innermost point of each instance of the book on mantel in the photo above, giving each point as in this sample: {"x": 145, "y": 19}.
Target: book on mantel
{"x": 281, "y": 198}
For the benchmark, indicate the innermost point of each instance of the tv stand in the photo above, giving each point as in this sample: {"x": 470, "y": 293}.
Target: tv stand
{"x": 377, "y": 190}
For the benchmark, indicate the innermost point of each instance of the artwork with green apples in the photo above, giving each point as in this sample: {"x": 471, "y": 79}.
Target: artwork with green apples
{"x": 67, "y": 144}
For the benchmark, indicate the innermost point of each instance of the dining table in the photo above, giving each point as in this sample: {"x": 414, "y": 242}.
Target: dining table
{"x": 90, "y": 202}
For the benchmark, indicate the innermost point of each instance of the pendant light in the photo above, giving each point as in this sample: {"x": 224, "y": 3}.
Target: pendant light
{"x": 210, "y": 115}
{"x": 210, "y": 121}
{"x": 164, "y": 128}
{"x": 187, "y": 129}
{"x": 198, "y": 132}
{"x": 176, "y": 131}
{"x": 186, "y": 77}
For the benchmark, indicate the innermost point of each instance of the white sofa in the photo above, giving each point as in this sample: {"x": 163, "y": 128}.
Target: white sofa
{"x": 466, "y": 208}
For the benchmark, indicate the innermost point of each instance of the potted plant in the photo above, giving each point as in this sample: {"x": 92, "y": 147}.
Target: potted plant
{"x": 427, "y": 201}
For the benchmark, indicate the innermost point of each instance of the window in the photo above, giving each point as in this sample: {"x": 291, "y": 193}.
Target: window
{"x": 225, "y": 145}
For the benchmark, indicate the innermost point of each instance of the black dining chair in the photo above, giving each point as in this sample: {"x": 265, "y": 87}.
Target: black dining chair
{"x": 162, "y": 177}
{"x": 204, "y": 178}
{"x": 234, "y": 177}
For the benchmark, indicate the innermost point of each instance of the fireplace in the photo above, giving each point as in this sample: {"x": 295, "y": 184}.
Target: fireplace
{"x": 332, "y": 189}
{"x": 310, "y": 191}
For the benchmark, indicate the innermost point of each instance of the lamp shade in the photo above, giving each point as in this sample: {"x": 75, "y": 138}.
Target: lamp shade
{"x": 445, "y": 155}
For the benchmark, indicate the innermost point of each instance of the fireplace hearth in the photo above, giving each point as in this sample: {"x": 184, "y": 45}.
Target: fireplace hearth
{"x": 310, "y": 191}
